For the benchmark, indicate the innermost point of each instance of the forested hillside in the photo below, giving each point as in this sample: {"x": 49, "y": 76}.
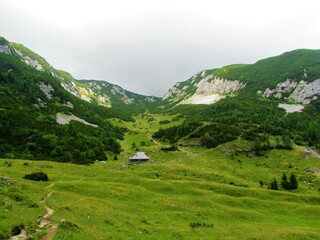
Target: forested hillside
{"x": 30, "y": 101}
{"x": 257, "y": 120}
{"x": 252, "y": 112}
{"x": 47, "y": 114}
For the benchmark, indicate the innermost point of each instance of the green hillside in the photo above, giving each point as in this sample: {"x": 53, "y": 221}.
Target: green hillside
{"x": 268, "y": 72}
{"x": 301, "y": 64}
{"x": 193, "y": 193}
{"x": 241, "y": 168}
{"x": 30, "y": 101}
{"x": 247, "y": 114}
{"x": 120, "y": 98}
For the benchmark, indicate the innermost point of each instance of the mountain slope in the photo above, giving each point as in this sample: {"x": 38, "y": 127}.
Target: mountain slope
{"x": 249, "y": 104}
{"x": 43, "y": 109}
{"x": 300, "y": 66}
{"x": 33, "y": 102}
{"x": 117, "y": 96}
{"x": 107, "y": 96}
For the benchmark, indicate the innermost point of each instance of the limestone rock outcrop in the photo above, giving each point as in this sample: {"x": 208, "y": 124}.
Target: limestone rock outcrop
{"x": 300, "y": 92}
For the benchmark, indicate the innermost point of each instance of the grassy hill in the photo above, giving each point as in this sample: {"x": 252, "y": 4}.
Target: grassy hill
{"x": 296, "y": 65}
{"x": 30, "y": 101}
{"x": 211, "y": 166}
{"x": 193, "y": 193}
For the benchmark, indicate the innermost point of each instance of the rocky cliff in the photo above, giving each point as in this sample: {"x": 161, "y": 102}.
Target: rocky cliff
{"x": 296, "y": 91}
{"x": 203, "y": 88}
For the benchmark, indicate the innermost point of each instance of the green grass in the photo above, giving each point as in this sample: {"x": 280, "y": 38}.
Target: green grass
{"x": 216, "y": 190}
{"x": 142, "y": 129}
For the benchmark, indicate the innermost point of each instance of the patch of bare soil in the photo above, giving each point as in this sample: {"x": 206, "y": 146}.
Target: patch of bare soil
{"x": 45, "y": 221}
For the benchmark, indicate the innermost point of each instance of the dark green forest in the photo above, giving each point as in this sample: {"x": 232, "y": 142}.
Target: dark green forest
{"x": 28, "y": 127}
{"x": 248, "y": 115}
{"x": 247, "y": 118}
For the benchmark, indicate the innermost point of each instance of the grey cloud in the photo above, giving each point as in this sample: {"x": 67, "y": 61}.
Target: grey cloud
{"x": 147, "y": 53}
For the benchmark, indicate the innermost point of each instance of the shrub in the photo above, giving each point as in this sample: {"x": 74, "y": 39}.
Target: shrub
{"x": 16, "y": 230}
{"x": 165, "y": 122}
{"x": 29, "y": 203}
{"x": 69, "y": 225}
{"x": 16, "y": 196}
{"x": 200, "y": 224}
{"x": 290, "y": 184}
{"x": 261, "y": 183}
{"x": 293, "y": 182}
{"x": 4, "y": 235}
{"x": 173, "y": 147}
{"x": 37, "y": 176}
{"x": 274, "y": 185}
{"x": 8, "y": 164}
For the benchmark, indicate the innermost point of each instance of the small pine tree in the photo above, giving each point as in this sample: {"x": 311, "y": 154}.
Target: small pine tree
{"x": 261, "y": 183}
{"x": 290, "y": 184}
{"x": 257, "y": 147}
{"x": 284, "y": 181}
{"x": 115, "y": 157}
{"x": 293, "y": 182}
{"x": 274, "y": 185}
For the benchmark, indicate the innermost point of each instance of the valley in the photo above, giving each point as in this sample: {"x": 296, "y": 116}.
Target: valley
{"x": 191, "y": 193}
{"x": 234, "y": 153}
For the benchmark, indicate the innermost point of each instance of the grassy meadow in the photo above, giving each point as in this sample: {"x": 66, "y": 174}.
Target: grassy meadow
{"x": 193, "y": 193}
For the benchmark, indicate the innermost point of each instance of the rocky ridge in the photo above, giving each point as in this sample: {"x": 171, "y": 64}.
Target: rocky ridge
{"x": 292, "y": 90}
{"x": 99, "y": 92}
{"x": 10, "y": 50}
{"x": 203, "y": 88}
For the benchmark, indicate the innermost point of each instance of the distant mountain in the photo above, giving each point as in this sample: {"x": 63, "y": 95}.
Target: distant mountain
{"x": 97, "y": 92}
{"x": 40, "y": 119}
{"x": 105, "y": 94}
{"x": 47, "y": 114}
{"x": 273, "y": 103}
{"x": 115, "y": 96}
{"x": 293, "y": 76}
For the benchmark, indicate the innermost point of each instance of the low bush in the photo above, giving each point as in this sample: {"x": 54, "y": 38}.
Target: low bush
{"x": 200, "y": 224}
{"x": 37, "y": 176}
{"x": 16, "y": 230}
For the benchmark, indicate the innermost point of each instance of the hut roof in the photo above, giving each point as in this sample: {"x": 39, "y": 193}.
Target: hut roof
{"x": 140, "y": 155}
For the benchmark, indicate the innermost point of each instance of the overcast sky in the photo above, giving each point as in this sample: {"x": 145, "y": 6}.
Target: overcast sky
{"x": 146, "y": 46}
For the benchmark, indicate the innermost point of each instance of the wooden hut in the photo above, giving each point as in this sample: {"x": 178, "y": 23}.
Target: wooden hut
{"x": 140, "y": 157}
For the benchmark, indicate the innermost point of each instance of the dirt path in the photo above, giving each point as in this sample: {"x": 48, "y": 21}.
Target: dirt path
{"x": 45, "y": 221}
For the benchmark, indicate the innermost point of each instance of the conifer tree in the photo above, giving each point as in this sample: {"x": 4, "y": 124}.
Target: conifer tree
{"x": 284, "y": 181}
{"x": 274, "y": 185}
{"x": 293, "y": 182}
{"x": 290, "y": 184}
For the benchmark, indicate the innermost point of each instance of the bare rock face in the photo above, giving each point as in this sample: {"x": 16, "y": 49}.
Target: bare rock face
{"x": 68, "y": 104}
{"x": 124, "y": 98}
{"x": 208, "y": 90}
{"x": 301, "y": 92}
{"x": 174, "y": 91}
{"x": 212, "y": 85}
{"x": 29, "y": 61}
{"x": 304, "y": 91}
{"x": 71, "y": 88}
{"x": 104, "y": 100}
{"x": 5, "y": 49}
{"x": 281, "y": 88}
{"x": 46, "y": 89}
